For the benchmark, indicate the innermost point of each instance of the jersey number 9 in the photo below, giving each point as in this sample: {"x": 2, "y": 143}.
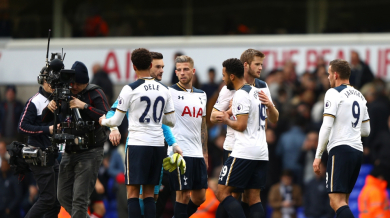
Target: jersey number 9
{"x": 354, "y": 114}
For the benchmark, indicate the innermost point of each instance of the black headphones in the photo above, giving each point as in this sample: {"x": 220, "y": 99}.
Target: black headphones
{"x": 42, "y": 76}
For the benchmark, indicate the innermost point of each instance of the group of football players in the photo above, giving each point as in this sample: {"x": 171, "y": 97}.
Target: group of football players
{"x": 178, "y": 114}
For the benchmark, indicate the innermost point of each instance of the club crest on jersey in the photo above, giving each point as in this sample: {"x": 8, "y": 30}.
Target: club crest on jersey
{"x": 185, "y": 180}
{"x": 120, "y": 100}
{"x": 256, "y": 94}
{"x": 180, "y": 97}
{"x": 327, "y": 104}
{"x": 201, "y": 102}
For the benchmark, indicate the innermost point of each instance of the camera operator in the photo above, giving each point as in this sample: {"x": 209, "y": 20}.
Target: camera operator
{"x": 79, "y": 167}
{"x": 38, "y": 136}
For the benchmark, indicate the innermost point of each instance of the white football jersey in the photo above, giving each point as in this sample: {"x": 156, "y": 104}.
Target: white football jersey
{"x": 222, "y": 104}
{"x": 348, "y": 106}
{"x": 190, "y": 108}
{"x": 250, "y": 144}
{"x": 146, "y": 100}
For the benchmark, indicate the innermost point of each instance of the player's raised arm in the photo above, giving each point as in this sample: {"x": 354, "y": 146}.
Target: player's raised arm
{"x": 223, "y": 104}
{"x": 241, "y": 104}
{"x": 272, "y": 112}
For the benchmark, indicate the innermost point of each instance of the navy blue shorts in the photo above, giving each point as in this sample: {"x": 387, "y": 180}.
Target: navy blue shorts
{"x": 226, "y": 154}
{"x": 243, "y": 173}
{"x": 343, "y": 169}
{"x": 143, "y": 164}
{"x": 195, "y": 177}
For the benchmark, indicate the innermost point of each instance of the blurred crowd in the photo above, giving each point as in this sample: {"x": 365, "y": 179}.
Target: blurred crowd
{"x": 292, "y": 142}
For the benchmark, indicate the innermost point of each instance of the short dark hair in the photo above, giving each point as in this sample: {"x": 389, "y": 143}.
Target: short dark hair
{"x": 287, "y": 173}
{"x": 156, "y": 55}
{"x": 141, "y": 58}
{"x": 249, "y": 54}
{"x": 234, "y": 66}
{"x": 211, "y": 69}
{"x": 341, "y": 67}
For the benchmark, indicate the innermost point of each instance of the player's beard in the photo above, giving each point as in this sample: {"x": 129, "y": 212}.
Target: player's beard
{"x": 229, "y": 85}
{"x": 186, "y": 81}
{"x": 252, "y": 73}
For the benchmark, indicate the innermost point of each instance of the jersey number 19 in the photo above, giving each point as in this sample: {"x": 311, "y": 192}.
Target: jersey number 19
{"x": 261, "y": 116}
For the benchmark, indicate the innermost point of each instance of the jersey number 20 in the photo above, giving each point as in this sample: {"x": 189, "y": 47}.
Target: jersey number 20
{"x": 354, "y": 114}
{"x": 143, "y": 118}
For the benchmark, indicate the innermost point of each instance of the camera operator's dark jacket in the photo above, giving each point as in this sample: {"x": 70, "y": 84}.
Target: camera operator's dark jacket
{"x": 30, "y": 122}
{"x": 96, "y": 99}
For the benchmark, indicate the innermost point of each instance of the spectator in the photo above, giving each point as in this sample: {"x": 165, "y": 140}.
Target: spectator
{"x": 307, "y": 155}
{"x": 209, "y": 207}
{"x": 95, "y": 26}
{"x": 285, "y": 197}
{"x": 30, "y": 198}
{"x": 10, "y": 192}
{"x": 10, "y": 111}
{"x": 3, "y": 150}
{"x": 321, "y": 63}
{"x": 373, "y": 199}
{"x": 115, "y": 170}
{"x": 274, "y": 161}
{"x": 96, "y": 205}
{"x": 380, "y": 150}
{"x": 378, "y": 105}
{"x": 316, "y": 199}
{"x": 101, "y": 78}
{"x": 211, "y": 87}
{"x": 174, "y": 78}
{"x": 360, "y": 71}
{"x": 290, "y": 145}
{"x": 195, "y": 81}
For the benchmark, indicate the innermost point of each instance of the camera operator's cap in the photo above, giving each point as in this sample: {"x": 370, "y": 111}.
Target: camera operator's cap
{"x": 81, "y": 70}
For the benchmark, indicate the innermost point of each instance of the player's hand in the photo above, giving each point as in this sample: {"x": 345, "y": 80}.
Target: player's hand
{"x": 177, "y": 149}
{"x": 223, "y": 117}
{"x": 173, "y": 162}
{"x": 76, "y": 103}
{"x": 52, "y": 106}
{"x": 115, "y": 136}
{"x": 264, "y": 99}
{"x": 231, "y": 103}
{"x": 316, "y": 166}
{"x": 101, "y": 119}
